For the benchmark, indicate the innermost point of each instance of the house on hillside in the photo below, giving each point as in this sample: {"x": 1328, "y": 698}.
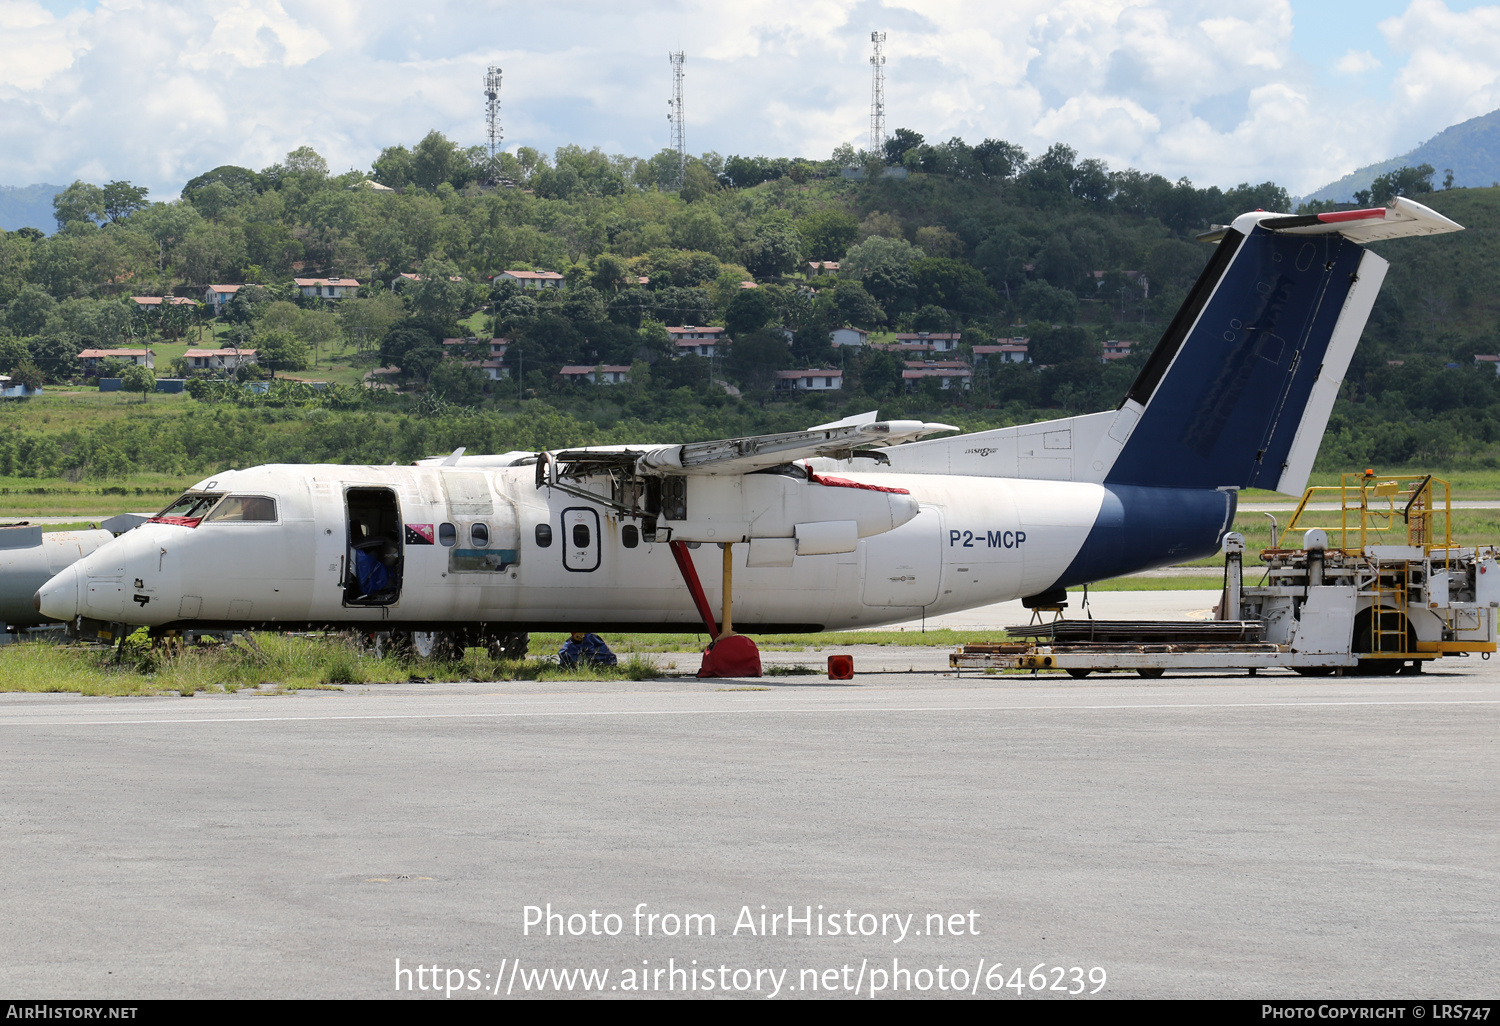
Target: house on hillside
{"x": 952, "y": 374}
{"x": 818, "y": 268}
{"x": 219, "y": 359}
{"x": 90, "y": 359}
{"x": 941, "y": 341}
{"x": 1016, "y": 350}
{"x": 849, "y": 337}
{"x": 1115, "y": 349}
{"x": 155, "y": 302}
{"x": 1479, "y": 361}
{"x": 217, "y": 297}
{"x": 692, "y": 340}
{"x": 532, "y": 279}
{"x": 604, "y": 374}
{"x": 327, "y": 288}
{"x": 820, "y": 379}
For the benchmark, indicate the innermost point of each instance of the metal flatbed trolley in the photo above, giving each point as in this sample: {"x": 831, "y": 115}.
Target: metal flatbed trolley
{"x": 1364, "y": 579}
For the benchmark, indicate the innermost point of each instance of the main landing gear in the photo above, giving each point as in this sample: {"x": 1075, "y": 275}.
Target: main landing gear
{"x": 729, "y": 654}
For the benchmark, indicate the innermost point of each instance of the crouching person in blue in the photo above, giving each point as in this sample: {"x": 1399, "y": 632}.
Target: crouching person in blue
{"x": 585, "y": 648}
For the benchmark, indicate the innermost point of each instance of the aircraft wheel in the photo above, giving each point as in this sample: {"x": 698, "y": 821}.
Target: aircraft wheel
{"x": 509, "y": 646}
{"x": 1079, "y": 674}
{"x": 1150, "y": 673}
{"x": 442, "y": 646}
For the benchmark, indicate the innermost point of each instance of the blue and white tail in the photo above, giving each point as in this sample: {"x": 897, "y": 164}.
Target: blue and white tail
{"x": 1238, "y": 391}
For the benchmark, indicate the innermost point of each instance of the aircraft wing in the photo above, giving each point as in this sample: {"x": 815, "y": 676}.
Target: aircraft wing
{"x": 754, "y": 452}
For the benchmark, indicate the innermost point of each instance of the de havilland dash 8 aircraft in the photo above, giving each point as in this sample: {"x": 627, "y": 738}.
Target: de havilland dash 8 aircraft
{"x": 849, "y": 524}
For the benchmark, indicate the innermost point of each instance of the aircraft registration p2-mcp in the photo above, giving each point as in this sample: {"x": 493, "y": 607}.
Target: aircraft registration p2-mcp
{"x": 855, "y": 523}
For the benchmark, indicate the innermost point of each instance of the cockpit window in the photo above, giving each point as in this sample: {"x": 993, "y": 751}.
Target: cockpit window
{"x": 189, "y": 509}
{"x": 244, "y": 508}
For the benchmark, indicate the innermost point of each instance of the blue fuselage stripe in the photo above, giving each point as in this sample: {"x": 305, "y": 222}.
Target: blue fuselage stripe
{"x": 1141, "y": 528}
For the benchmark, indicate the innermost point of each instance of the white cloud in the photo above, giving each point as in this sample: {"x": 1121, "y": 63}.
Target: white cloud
{"x": 1357, "y": 62}
{"x": 159, "y": 90}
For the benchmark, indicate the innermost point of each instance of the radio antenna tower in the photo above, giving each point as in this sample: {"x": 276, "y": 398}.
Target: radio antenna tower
{"x": 492, "y": 109}
{"x": 877, "y": 93}
{"x": 679, "y": 125}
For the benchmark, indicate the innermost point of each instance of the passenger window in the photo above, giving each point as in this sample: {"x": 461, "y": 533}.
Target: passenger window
{"x": 245, "y": 508}
{"x": 543, "y": 536}
{"x": 447, "y": 534}
{"x": 581, "y": 536}
{"x": 479, "y": 535}
{"x": 630, "y": 536}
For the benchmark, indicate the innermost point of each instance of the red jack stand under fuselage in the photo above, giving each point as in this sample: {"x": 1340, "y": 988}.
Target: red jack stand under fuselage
{"x": 729, "y": 654}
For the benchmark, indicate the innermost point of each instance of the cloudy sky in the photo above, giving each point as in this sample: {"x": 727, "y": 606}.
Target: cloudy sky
{"x": 1221, "y": 91}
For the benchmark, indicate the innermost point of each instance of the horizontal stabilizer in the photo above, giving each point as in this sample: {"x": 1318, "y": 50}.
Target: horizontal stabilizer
{"x": 1403, "y": 218}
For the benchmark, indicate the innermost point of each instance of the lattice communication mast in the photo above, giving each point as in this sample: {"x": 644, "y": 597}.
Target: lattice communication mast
{"x": 877, "y": 93}
{"x": 679, "y": 125}
{"x": 492, "y": 109}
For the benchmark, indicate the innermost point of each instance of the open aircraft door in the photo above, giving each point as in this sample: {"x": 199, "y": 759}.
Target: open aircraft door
{"x": 903, "y": 567}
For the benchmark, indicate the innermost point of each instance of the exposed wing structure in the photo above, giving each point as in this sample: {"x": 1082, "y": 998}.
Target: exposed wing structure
{"x": 758, "y": 452}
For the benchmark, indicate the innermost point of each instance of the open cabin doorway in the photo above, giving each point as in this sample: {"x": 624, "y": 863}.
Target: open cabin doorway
{"x": 376, "y": 558}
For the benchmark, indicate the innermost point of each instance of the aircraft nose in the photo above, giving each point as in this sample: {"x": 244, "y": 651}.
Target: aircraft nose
{"x": 58, "y": 598}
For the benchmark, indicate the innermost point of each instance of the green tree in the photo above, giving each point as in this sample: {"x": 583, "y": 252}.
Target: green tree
{"x": 80, "y": 201}
{"x": 136, "y": 378}
{"x": 456, "y": 383}
{"x": 121, "y": 199}
{"x": 748, "y": 312}
{"x": 697, "y": 183}
{"x": 754, "y": 359}
{"x": 28, "y": 374}
{"x": 775, "y": 249}
{"x": 855, "y": 305}
{"x": 1404, "y": 181}
{"x": 827, "y": 234}
{"x": 279, "y": 349}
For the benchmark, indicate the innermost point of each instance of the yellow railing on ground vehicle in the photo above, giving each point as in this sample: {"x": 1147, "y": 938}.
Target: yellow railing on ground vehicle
{"x": 1370, "y": 510}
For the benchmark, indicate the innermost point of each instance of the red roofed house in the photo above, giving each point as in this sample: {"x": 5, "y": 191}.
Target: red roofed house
{"x": 817, "y": 380}
{"x": 1115, "y": 349}
{"x": 91, "y": 358}
{"x": 604, "y": 374}
{"x": 952, "y": 374}
{"x": 1016, "y": 350}
{"x": 941, "y": 342}
{"x": 815, "y": 268}
{"x": 148, "y": 302}
{"x": 1479, "y": 361}
{"x": 696, "y": 341}
{"x": 218, "y": 359}
{"x": 532, "y": 279}
{"x": 218, "y": 296}
{"x": 327, "y": 288}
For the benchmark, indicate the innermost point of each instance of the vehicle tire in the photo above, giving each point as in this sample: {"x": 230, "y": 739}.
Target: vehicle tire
{"x": 440, "y": 646}
{"x": 513, "y": 645}
{"x": 1151, "y": 673}
{"x": 1079, "y": 674}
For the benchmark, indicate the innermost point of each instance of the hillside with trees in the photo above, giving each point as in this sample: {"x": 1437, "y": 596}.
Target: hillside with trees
{"x": 982, "y": 241}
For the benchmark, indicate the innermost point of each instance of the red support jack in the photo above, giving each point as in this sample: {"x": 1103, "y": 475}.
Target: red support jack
{"x": 729, "y": 654}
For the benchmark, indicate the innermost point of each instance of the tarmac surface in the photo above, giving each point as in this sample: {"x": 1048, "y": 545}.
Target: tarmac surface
{"x": 1216, "y": 836}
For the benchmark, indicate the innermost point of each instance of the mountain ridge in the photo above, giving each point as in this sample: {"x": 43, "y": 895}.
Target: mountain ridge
{"x": 28, "y": 206}
{"x": 1470, "y": 148}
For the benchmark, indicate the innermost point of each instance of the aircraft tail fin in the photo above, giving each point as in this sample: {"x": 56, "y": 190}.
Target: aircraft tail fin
{"x": 1238, "y": 391}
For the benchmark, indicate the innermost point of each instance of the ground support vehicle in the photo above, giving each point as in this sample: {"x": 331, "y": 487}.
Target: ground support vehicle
{"x": 1365, "y": 578}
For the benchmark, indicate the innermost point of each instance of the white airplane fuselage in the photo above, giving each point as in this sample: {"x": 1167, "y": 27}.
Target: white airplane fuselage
{"x": 927, "y": 544}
